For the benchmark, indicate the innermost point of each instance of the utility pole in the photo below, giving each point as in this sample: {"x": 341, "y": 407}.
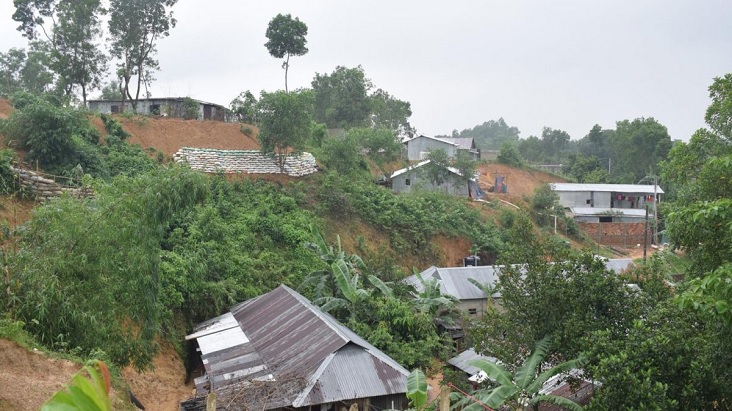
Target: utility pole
{"x": 645, "y": 236}
{"x": 655, "y": 209}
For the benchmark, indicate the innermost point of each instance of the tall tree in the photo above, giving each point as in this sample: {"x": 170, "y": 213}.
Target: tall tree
{"x": 341, "y": 98}
{"x": 719, "y": 113}
{"x": 11, "y": 65}
{"x": 436, "y": 171}
{"x": 491, "y": 134}
{"x": 135, "y": 26}
{"x": 568, "y": 299}
{"x": 285, "y": 38}
{"x": 73, "y": 36}
{"x": 391, "y": 113}
{"x": 284, "y": 122}
{"x": 637, "y": 147}
{"x": 596, "y": 143}
{"x": 555, "y": 143}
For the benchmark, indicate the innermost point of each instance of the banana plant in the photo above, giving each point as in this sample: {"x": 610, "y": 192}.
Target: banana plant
{"x": 87, "y": 391}
{"x": 520, "y": 390}
{"x": 417, "y": 389}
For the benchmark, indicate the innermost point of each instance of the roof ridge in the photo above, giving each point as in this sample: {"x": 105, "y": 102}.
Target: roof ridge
{"x": 318, "y": 313}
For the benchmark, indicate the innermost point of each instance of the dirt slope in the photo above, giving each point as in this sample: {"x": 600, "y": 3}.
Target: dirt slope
{"x": 29, "y": 378}
{"x": 170, "y": 134}
{"x": 521, "y": 182}
{"x": 163, "y": 388}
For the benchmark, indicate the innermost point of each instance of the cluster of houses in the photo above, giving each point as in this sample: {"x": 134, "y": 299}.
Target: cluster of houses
{"x": 279, "y": 351}
{"x": 613, "y": 214}
{"x": 587, "y": 203}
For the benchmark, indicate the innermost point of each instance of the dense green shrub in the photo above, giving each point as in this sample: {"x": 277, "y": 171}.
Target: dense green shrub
{"x": 87, "y": 273}
{"x": 510, "y": 155}
{"x": 410, "y": 220}
{"x": 57, "y": 137}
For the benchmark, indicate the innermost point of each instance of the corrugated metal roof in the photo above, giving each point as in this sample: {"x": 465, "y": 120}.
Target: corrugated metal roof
{"x": 462, "y": 361}
{"x": 614, "y": 188}
{"x": 431, "y": 138}
{"x": 455, "y": 281}
{"x": 420, "y": 164}
{"x": 339, "y": 380}
{"x": 465, "y": 143}
{"x": 600, "y": 211}
{"x": 289, "y": 338}
{"x": 618, "y": 265}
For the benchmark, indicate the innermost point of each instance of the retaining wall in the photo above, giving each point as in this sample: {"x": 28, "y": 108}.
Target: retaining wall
{"x": 44, "y": 188}
{"x": 244, "y": 162}
{"x": 619, "y": 234}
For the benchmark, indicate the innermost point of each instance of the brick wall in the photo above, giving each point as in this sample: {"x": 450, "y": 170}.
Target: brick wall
{"x": 619, "y": 234}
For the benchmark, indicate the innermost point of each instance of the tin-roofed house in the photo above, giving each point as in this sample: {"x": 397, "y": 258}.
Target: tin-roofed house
{"x": 415, "y": 177}
{"x": 179, "y": 107}
{"x": 612, "y": 214}
{"x": 465, "y": 144}
{"x": 279, "y": 351}
{"x": 460, "y": 282}
{"x": 418, "y": 148}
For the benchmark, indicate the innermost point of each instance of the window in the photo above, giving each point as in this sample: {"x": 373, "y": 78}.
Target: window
{"x": 114, "y": 109}
{"x": 408, "y": 182}
{"x": 155, "y": 109}
{"x": 472, "y": 311}
{"x": 606, "y": 219}
{"x": 588, "y": 201}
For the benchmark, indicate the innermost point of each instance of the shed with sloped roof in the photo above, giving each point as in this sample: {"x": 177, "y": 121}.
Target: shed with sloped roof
{"x": 418, "y": 148}
{"x": 280, "y": 351}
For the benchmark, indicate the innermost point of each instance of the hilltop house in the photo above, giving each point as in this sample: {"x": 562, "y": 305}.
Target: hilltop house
{"x": 413, "y": 178}
{"x": 418, "y": 148}
{"x": 279, "y": 351}
{"x": 181, "y": 107}
{"x": 466, "y": 144}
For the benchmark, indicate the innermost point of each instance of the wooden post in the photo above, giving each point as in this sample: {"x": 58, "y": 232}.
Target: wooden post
{"x": 211, "y": 402}
{"x": 445, "y": 398}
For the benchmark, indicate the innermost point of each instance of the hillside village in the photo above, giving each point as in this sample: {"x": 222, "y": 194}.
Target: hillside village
{"x": 309, "y": 248}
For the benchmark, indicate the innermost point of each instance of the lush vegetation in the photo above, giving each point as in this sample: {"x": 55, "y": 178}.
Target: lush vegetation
{"x": 161, "y": 248}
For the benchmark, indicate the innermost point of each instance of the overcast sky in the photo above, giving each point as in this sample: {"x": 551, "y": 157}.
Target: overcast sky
{"x": 565, "y": 64}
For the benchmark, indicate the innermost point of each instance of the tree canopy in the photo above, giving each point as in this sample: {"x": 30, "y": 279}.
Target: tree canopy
{"x": 285, "y": 38}
{"x": 75, "y": 29}
{"x": 284, "y": 122}
{"x": 135, "y": 27}
{"x": 341, "y": 98}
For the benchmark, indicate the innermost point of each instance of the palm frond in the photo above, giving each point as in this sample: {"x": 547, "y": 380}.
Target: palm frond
{"x": 497, "y": 396}
{"x": 332, "y": 304}
{"x": 382, "y": 286}
{"x": 494, "y": 371}
{"x": 527, "y": 372}
{"x": 343, "y": 279}
{"x": 557, "y": 369}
